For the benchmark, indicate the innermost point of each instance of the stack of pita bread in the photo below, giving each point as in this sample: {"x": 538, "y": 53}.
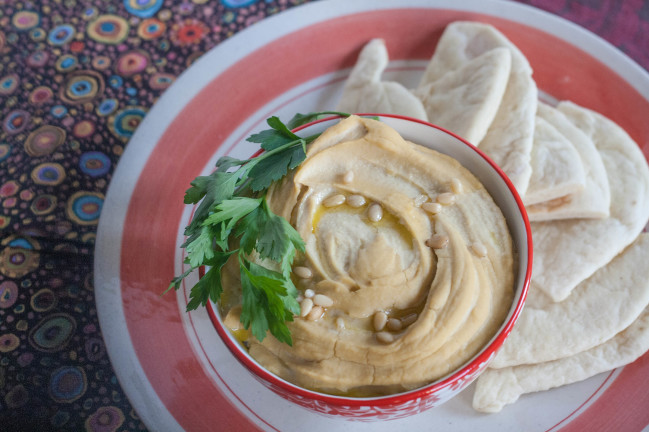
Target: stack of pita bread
{"x": 585, "y": 185}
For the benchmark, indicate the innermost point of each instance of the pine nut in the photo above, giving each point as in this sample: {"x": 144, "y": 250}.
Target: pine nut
{"x": 309, "y": 293}
{"x": 322, "y": 300}
{"x": 394, "y": 324}
{"x": 348, "y": 177}
{"x": 437, "y": 241}
{"x": 408, "y": 319}
{"x": 479, "y": 249}
{"x": 432, "y": 208}
{"x": 334, "y": 200}
{"x": 375, "y": 212}
{"x": 305, "y": 307}
{"x": 456, "y": 186}
{"x": 316, "y": 313}
{"x": 380, "y": 319}
{"x": 303, "y": 272}
{"x": 384, "y": 337}
{"x": 420, "y": 200}
{"x": 299, "y": 298}
{"x": 340, "y": 323}
{"x": 356, "y": 201}
{"x": 446, "y": 198}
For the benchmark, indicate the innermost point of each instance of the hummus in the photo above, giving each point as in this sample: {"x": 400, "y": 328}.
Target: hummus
{"x": 408, "y": 270}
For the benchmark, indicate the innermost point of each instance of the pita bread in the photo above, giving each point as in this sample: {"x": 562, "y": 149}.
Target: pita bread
{"x": 594, "y": 199}
{"x": 364, "y": 91}
{"x": 566, "y": 252}
{"x": 600, "y": 307}
{"x": 557, "y": 169}
{"x": 498, "y": 387}
{"x": 509, "y": 138}
{"x": 466, "y": 100}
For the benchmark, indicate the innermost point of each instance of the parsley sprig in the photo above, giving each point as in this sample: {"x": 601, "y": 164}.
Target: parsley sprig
{"x": 233, "y": 211}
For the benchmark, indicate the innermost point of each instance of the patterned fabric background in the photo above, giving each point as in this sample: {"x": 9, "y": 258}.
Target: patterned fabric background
{"x": 76, "y": 79}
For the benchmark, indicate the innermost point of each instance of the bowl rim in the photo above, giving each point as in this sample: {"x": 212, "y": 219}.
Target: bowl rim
{"x": 424, "y": 392}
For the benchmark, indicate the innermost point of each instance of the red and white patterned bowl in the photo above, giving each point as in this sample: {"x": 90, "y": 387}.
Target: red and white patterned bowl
{"x": 412, "y": 402}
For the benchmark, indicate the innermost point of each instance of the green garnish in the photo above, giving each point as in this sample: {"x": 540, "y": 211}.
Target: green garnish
{"x": 233, "y": 210}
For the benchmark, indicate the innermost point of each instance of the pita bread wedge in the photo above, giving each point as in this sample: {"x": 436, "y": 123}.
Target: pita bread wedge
{"x": 600, "y": 307}
{"x": 498, "y": 387}
{"x": 465, "y": 101}
{"x": 557, "y": 169}
{"x": 365, "y": 92}
{"x": 566, "y": 252}
{"x": 509, "y": 138}
{"x": 594, "y": 199}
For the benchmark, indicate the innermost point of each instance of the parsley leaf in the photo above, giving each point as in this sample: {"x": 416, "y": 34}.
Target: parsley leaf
{"x": 232, "y": 210}
{"x": 279, "y": 135}
{"x": 264, "y": 287}
{"x": 226, "y": 215}
{"x": 271, "y": 236}
{"x": 200, "y": 250}
{"x": 217, "y": 187}
{"x": 270, "y": 139}
{"x": 209, "y": 286}
{"x": 198, "y": 190}
{"x": 274, "y": 167}
{"x": 175, "y": 282}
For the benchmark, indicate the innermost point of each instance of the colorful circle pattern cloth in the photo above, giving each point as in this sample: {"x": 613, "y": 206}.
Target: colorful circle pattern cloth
{"x": 76, "y": 79}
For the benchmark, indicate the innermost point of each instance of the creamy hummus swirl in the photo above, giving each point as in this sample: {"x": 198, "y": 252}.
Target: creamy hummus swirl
{"x": 443, "y": 274}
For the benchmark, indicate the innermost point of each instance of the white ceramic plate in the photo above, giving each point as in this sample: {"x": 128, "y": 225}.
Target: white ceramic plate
{"x": 172, "y": 365}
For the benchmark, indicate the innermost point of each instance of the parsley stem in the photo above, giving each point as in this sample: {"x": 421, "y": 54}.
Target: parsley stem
{"x": 338, "y": 113}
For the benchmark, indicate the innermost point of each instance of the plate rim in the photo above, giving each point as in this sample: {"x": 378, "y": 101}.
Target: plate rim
{"x": 188, "y": 84}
